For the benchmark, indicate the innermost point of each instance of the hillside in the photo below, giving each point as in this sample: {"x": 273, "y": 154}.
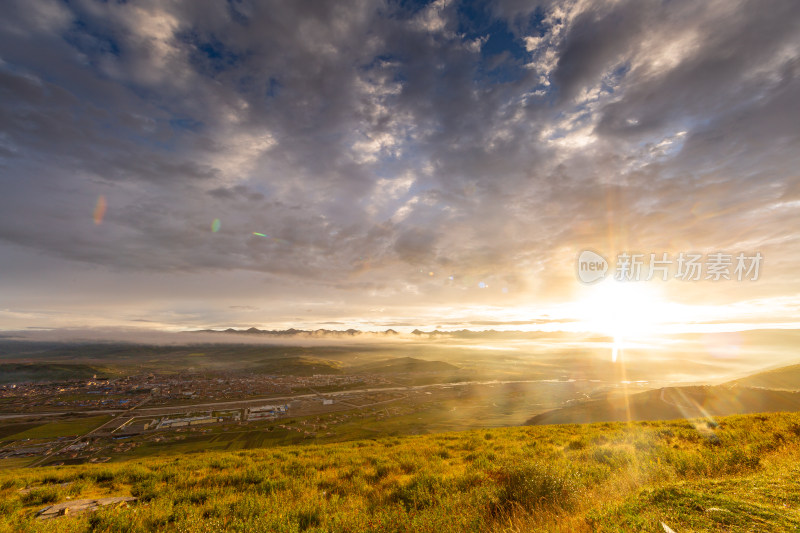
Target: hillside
{"x": 402, "y": 365}
{"x": 296, "y": 366}
{"x": 786, "y": 378}
{"x": 740, "y": 475}
{"x": 39, "y": 372}
{"x": 673, "y": 402}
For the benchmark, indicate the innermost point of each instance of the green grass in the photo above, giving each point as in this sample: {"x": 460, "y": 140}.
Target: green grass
{"x": 15, "y": 462}
{"x": 766, "y": 501}
{"x": 76, "y": 427}
{"x": 7, "y": 431}
{"x": 739, "y": 474}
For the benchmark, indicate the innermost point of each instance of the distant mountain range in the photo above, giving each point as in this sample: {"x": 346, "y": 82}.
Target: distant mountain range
{"x": 292, "y": 332}
{"x": 461, "y": 333}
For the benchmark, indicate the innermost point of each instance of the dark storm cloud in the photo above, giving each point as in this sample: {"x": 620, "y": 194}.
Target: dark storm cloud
{"x": 738, "y": 53}
{"x": 369, "y": 140}
{"x": 598, "y": 39}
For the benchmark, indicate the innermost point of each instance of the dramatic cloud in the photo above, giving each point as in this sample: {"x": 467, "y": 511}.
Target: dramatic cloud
{"x": 365, "y": 160}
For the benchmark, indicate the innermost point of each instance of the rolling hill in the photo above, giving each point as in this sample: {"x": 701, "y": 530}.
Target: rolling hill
{"x": 672, "y": 403}
{"x": 784, "y": 378}
{"x": 40, "y": 372}
{"x": 402, "y": 365}
{"x": 296, "y": 366}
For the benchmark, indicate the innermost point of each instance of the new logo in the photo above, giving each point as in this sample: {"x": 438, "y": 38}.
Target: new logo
{"x": 592, "y": 267}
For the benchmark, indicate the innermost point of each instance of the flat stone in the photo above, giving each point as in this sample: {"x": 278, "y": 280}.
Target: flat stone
{"x": 79, "y": 506}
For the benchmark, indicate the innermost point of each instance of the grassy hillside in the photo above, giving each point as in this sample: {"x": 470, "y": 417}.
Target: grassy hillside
{"x": 401, "y": 365}
{"x": 40, "y": 372}
{"x": 737, "y": 474}
{"x": 787, "y": 378}
{"x": 673, "y": 402}
{"x": 297, "y": 366}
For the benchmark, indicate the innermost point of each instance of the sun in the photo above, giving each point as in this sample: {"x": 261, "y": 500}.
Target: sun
{"x": 623, "y": 310}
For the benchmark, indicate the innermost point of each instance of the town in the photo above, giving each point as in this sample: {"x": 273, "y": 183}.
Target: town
{"x": 102, "y": 393}
{"x": 96, "y": 420}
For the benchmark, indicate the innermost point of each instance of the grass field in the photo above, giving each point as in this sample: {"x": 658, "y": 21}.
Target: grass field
{"x": 738, "y": 473}
{"x": 8, "y": 430}
{"x": 61, "y": 428}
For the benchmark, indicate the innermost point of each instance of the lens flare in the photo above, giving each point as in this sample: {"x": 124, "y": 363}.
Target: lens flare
{"x": 99, "y": 210}
{"x": 215, "y": 225}
{"x": 272, "y": 239}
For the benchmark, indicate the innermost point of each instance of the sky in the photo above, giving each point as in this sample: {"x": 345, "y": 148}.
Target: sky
{"x": 205, "y": 164}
